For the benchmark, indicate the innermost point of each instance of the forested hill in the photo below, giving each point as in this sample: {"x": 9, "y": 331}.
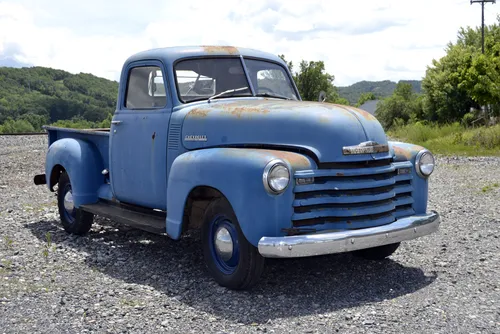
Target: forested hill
{"x": 380, "y": 89}
{"x": 36, "y": 96}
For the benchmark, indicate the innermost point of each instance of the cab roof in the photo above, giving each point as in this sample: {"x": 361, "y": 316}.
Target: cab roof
{"x": 170, "y": 54}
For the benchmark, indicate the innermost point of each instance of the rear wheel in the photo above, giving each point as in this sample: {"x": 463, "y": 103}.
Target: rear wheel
{"x": 377, "y": 253}
{"x": 230, "y": 258}
{"x": 73, "y": 220}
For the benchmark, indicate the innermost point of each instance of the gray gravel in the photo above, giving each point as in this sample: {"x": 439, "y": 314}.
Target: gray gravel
{"x": 118, "y": 279}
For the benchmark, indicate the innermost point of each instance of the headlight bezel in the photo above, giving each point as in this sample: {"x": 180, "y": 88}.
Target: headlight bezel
{"x": 418, "y": 163}
{"x": 271, "y": 165}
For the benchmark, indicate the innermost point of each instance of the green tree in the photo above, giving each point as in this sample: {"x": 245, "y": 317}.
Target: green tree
{"x": 464, "y": 78}
{"x": 401, "y": 107}
{"x": 15, "y": 126}
{"x": 365, "y": 97}
{"x": 312, "y": 78}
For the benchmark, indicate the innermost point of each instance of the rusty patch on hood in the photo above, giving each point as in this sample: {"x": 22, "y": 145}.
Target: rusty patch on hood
{"x": 198, "y": 112}
{"x": 237, "y": 109}
{"x": 220, "y": 49}
{"x": 365, "y": 114}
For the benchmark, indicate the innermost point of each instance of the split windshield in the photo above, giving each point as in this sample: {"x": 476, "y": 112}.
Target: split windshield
{"x": 204, "y": 78}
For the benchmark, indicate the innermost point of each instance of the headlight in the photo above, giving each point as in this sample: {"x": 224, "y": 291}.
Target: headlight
{"x": 424, "y": 163}
{"x": 276, "y": 177}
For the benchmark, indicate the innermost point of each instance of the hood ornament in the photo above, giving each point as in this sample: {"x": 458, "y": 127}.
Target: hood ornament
{"x": 366, "y": 147}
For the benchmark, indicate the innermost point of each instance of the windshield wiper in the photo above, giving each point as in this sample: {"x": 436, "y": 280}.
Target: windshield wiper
{"x": 273, "y": 95}
{"x": 226, "y": 92}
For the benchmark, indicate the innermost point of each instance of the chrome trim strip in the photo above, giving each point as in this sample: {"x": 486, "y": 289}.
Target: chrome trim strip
{"x": 365, "y": 148}
{"x": 345, "y": 241}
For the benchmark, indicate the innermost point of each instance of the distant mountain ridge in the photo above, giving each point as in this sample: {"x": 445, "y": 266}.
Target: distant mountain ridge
{"x": 381, "y": 89}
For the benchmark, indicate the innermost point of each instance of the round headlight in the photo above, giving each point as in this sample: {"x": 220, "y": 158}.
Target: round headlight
{"x": 276, "y": 177}
{"x": 424, "y": 163}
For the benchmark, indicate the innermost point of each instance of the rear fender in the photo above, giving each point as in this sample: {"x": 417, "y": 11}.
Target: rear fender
{"x": 82, "y": 162}
{"x": 237, "y": 174}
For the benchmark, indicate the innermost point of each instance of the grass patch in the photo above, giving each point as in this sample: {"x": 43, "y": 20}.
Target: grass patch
{"x": 451, "y": 139}
{"x": 489, "y": 187}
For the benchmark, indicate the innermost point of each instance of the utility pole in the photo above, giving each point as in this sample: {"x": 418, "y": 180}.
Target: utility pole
{"x": 482, "y": 2}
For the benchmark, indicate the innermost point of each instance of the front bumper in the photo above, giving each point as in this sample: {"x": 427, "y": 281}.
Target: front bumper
{"x": 406, "y": 228}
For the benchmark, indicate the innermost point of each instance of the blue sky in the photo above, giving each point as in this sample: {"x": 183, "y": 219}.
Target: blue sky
{"x": 358, "y": 40}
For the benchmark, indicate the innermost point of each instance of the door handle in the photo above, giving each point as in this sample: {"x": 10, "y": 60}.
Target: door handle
{"x": 116, "y": 122}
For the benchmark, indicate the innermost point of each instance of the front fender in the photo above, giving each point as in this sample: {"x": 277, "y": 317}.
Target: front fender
{"x": 82, "y": 162}
{"x": 408, "y": 152}
{"x": 236, "y": 173}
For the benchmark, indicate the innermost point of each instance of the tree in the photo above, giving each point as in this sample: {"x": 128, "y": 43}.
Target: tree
{"x": 400, "y": 107}
{"x": 464, "y": 78}
{"x": 12, "y": 126}
{"x": 365, "y": 97}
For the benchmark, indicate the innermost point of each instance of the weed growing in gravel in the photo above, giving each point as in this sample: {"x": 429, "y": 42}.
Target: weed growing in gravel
{"x": 489, "y": 188}
{"x": 130, "y": 302}
{"x": 6, "y": 265}
{"x": 8, "y": 241}
{"x": 48, "y": 245}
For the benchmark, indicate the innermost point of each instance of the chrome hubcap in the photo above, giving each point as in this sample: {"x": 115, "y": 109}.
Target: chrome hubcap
{"x": 224, "y": 244}
{"x": 68, "y": 201}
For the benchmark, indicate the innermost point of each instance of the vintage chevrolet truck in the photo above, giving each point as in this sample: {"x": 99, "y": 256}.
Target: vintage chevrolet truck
{"x": 218, "y": 139}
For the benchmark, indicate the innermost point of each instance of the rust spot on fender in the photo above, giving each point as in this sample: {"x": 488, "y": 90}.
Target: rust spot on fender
{"x": 220, "y": 49}
{"x": 198, "y": 112}
{"x": 407, "y": 151}
{"x": 295, "y": 159}
{"x": 339, "y": 174}
{"x": 399, "y": 151}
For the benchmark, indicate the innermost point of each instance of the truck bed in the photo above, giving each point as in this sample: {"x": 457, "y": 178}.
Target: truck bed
{"x": 98, "y": 137}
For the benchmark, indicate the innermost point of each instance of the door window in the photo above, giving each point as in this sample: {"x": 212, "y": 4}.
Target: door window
{"x": 145, "y": 88}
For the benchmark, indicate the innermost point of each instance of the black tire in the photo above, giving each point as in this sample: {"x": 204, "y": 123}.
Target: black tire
{"x": 74, "y": 221}
{"x": 245, "y": 265}
{"x": 377, "y": 253}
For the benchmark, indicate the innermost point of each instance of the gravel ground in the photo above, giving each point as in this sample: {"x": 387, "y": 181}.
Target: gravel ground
{"x": 118, "y": 279}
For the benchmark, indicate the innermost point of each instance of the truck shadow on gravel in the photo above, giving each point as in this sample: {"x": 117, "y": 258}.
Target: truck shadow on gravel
{"x": 288, "y": 288}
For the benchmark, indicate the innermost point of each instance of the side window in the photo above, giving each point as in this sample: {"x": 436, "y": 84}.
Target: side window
{"x": 145, "y": 88}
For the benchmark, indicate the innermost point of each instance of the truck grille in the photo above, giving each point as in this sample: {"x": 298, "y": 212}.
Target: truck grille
{"x": 353, "y": 196}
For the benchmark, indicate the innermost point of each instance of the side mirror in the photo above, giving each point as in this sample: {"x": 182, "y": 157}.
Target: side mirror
{"x": 322, "y": 96}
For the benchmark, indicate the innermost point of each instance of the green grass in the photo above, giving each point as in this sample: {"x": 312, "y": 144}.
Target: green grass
{"x": 451, "y": 139}
{"x": 488, "y": 188}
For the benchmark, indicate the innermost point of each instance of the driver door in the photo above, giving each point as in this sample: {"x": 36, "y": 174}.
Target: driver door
{"x": 138, "y": 152}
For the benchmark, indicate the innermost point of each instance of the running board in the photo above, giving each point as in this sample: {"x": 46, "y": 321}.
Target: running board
{"x": 154, "y": 222}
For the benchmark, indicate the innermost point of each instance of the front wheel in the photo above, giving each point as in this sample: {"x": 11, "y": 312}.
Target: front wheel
{"x": 230, "y": 258}
{"x": 377, "y": 253}
{"x": 74, "y": 220}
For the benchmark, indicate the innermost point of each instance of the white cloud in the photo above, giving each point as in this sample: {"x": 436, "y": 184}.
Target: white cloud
{"x": 362, "y": 40}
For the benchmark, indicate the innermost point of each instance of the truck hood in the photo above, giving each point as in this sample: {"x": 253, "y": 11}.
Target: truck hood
{"x": 322, "y": 128}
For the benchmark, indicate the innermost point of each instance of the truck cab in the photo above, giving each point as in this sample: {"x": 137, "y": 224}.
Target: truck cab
{"x": 218, "y": 139}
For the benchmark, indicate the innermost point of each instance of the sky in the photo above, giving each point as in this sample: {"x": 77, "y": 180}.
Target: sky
{"x": 357, "y": 40}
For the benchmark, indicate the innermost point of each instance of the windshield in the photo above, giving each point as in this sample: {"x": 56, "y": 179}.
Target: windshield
{"x": 203, "y": 78}
{"x": 199, "y": 79}
{"x": 269, "y": 79}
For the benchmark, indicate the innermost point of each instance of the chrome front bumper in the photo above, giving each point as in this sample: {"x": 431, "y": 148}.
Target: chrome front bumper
{"x": 339, "y": 242}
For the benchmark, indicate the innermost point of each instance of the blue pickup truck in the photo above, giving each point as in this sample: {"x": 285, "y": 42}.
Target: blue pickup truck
{"x": 218, "y": 139}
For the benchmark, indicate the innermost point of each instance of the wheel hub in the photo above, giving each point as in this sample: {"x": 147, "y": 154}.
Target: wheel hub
{"x": 223, "y": 244}
{"x": 68, "y": 202}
